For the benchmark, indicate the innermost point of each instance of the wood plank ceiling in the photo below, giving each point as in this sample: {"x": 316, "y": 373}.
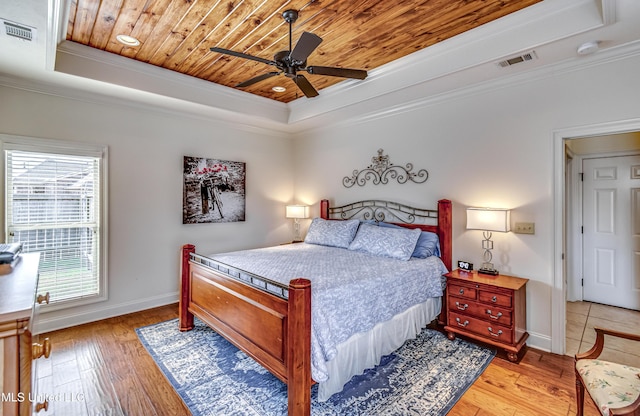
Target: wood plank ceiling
{"x": 364, "y": 34}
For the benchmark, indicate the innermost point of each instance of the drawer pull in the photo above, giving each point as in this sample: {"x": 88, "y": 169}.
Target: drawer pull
{"x": 461, "y": 291}
{"x": 42, "y": 406}
{"x": 461, "y": 307}
{"x": 495, "y": 334}
{"x": 43, "y": 298}
{"x": 465, "y": 323}
{"x": 41, "y": 350}
{"x": 498, "y": 316}
{"x": 494, "y": 299}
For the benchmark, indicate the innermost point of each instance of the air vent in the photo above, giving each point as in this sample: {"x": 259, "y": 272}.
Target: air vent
{"x": 529, "y": 56}
{"x": 18, "y": 30}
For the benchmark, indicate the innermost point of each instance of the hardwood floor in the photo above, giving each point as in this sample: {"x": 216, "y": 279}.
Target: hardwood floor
{"x": 102, "y": 369}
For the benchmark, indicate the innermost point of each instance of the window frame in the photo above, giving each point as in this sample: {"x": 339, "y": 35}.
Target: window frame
{"x": 62, "y": 147}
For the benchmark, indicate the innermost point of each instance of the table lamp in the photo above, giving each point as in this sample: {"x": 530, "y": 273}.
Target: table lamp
{"x": 297, "y": 212}
{"x": 488, "y": 220}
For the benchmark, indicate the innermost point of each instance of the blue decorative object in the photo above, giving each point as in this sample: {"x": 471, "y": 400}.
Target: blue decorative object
{"x": 425, "y": 376}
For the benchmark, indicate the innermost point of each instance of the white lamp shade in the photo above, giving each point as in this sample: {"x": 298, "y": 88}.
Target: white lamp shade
{"x": 489, "y": 219}
{"x": 297, "y": 211}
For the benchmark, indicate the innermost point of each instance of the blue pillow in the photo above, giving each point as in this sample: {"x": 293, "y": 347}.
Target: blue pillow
{"x": 397, "y": 243}
{"x": 331, "y": 232}
{"x": 428, "y": 243}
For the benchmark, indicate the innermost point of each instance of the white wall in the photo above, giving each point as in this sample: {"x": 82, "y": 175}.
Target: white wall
{"x": 146, "y": 149}
{"x": 492, "y": 146}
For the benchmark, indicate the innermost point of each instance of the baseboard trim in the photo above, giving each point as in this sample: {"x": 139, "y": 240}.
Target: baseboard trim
{"x": 539, "y": 341}
{"x": 60, "y": 319}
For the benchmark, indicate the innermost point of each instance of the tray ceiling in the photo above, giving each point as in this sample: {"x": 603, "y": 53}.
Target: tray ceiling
{"x": 177, "y": 34}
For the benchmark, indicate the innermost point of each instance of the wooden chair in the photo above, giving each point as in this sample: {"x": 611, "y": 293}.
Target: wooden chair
{"x": 614, "y": 388}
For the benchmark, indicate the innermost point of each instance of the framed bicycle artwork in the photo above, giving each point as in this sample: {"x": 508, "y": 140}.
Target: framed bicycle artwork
{"x": 214, "y": 190}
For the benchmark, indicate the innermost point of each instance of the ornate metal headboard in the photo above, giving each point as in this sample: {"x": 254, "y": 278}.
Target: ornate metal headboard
{"x": 438, "y": 220}
{"x": 384, "y": 211}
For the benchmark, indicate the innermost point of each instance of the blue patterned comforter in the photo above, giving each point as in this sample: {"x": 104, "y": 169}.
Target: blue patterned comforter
{"x": 351, "y": 291}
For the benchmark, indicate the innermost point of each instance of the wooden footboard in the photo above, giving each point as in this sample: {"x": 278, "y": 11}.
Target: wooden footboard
{"x": 274, "y": 329}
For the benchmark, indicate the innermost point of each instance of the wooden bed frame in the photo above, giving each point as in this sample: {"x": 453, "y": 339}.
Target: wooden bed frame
{"x": 271, "y": 322}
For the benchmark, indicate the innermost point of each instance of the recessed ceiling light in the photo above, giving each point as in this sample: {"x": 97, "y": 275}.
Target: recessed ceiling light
{"x": 127, "y": 40}
{"x": 279, "y": 89}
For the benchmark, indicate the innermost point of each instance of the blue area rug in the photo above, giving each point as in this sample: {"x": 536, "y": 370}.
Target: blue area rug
{"x": 426, "y": 376}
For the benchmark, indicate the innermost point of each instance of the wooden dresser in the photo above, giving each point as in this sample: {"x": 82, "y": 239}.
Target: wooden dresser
{"x": 18, "y": 308}
{"x": 490, "y": 309}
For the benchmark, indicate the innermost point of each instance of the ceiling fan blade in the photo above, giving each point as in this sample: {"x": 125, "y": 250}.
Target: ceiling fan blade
{"x": 257, "y": 79}
{"x": 305, "y": 86}
{"x": 242, "y": 55}
{"x": 337, "y": 72}
{"x": 306, "y": 45}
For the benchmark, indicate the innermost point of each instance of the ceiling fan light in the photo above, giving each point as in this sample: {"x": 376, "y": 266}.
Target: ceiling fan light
{"x": 127, "y": 40}
{"x": 291, "y": 61}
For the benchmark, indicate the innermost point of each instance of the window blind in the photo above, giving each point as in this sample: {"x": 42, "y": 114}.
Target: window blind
{"x": 53, "y": 207}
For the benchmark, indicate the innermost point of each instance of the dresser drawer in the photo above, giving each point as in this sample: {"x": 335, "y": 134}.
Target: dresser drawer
{"x": 489, "y": 330}
{"x": 462, "y": 291}
{"x": 485, "y": 312}
{"x": 492, "y": 297}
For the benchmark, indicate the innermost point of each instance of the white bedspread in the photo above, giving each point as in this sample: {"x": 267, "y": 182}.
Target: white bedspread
{"x": 351, "y": 291}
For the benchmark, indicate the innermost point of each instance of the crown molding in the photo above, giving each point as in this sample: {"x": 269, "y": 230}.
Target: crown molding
{"x": 537, "y": 25}
{"x": 454, "y": 68}
{"x": 81, "y": 90}
{"x": 334, "y": 119}
{"x": 86, "y": 62}
{"x": 609, "y": 11}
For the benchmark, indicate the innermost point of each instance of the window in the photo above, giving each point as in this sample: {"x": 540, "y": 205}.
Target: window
{"x": 54, "y": 205}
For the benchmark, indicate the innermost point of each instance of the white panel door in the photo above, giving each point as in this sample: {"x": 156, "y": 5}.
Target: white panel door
{"x": 611, "y": 237}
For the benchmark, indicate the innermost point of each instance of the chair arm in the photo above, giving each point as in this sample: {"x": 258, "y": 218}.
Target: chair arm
{"x": 631, "y": 410}
{"x": 596, "y": 350}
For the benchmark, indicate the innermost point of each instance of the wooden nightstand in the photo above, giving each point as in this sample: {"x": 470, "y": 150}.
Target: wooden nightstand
{"x": 490, "y": 309}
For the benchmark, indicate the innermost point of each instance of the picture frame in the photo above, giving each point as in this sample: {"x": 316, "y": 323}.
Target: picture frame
{"x": 213, "y": 190}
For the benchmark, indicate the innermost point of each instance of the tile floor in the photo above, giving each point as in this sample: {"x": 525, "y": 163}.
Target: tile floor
{"x": 583, "y": 316}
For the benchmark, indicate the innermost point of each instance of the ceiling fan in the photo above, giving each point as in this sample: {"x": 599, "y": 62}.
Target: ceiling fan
{"x": 294, "y": 60}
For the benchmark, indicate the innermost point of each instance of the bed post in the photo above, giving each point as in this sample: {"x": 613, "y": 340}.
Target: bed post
{"x": 324, "y": 209}
{"x": 299, "y": 348}
{"x": 186, "y": 317}
{"x": 445, "y": 231}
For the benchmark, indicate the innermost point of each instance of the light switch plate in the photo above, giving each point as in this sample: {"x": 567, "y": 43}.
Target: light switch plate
{"x": 525, "y": 228}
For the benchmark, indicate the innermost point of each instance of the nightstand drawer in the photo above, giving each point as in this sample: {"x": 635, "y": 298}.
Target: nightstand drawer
{"x": 495, "y": 298}
{"x": 463, "y": 291}
{"x": 485, "y": 329}
{"x": 485, "y": 312}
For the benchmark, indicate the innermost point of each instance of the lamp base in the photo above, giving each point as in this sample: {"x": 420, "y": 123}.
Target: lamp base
{"x": 492, "y": 272}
